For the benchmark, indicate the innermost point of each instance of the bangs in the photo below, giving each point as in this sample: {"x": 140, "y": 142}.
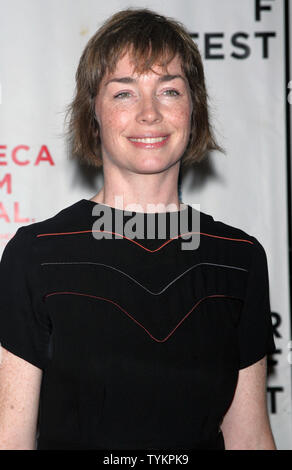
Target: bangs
{"x": 145, "y": 49}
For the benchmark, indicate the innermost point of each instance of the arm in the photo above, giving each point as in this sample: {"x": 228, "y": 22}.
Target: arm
{"x": 19, "y": 400}
{"x": 246, "y": 424}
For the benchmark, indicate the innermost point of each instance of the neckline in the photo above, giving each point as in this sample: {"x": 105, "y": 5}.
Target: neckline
{"x": 133, "y": 213}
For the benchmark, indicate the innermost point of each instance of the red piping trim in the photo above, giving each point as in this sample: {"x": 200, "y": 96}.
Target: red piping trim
{"x": 138, "y": 323}
{"x": 133, "y": 241}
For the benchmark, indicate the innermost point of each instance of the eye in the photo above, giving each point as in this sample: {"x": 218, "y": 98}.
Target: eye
{"x": 171, "y": 92}
{"x": 123, "y": 94}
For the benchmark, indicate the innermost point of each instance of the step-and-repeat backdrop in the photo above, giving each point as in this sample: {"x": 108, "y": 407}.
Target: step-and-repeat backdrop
{"x": 243, "y": 48}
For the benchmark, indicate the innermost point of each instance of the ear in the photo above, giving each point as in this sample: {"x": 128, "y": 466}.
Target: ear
{"x": 96, "y": 120}
{"x": 95, "y": 114}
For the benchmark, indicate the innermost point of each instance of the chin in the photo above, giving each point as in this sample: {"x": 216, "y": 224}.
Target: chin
{"x": 151, "y": 167}
{"x": 154, "y": 165}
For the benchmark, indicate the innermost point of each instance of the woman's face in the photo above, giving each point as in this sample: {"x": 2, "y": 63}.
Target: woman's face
{"x": 144, "y": 120}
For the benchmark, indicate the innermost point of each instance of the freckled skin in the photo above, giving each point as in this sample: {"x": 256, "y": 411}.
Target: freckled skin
{"x": 20, "y": 384}
{"x": 146, "y": 106}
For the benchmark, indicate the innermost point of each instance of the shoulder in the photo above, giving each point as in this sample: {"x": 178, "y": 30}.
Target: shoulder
{"x": 70, "y": 218}
{"x": 220, "y": 237}
{"x": 222, "y": 229}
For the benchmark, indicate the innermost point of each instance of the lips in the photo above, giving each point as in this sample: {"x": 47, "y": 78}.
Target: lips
{"x": 149, "y": 141}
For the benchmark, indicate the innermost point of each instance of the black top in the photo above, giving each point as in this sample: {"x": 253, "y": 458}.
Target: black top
{"x": 140, "y": 341}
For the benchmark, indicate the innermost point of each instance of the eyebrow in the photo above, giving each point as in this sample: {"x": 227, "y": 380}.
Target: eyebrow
{"x": 163, "y": 78}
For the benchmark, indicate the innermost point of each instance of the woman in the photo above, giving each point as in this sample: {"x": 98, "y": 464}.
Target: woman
{"x": 131, "y": 341}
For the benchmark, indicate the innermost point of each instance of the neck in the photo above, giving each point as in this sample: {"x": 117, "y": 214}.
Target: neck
{"x": 141, "y": 192}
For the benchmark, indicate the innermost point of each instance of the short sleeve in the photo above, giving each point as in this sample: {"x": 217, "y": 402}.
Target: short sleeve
{"x": 24, "y": 328}
{"x": 255, "y": 331}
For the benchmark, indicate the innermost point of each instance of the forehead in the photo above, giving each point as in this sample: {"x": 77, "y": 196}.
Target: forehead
{"x": 126, "y": 67}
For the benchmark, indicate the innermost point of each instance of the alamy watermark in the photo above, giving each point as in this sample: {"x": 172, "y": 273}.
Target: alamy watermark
{"x": 156, "y": 214}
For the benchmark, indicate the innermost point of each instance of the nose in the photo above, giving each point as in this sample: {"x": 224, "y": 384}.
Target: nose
{"x": 148, "y": 112}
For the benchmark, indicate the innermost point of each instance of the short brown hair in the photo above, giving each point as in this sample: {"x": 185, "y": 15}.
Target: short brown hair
{"x": 151, "y": 39}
